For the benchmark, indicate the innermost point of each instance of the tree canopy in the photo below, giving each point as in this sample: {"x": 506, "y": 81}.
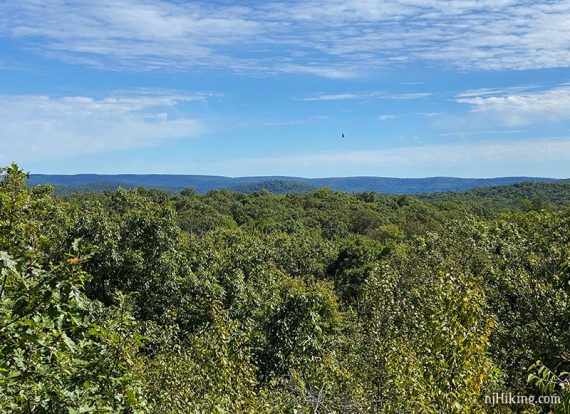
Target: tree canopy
{"x": 137, "y": 300}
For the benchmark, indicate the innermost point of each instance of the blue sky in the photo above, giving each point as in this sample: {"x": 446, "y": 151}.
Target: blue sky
{"x": 419, "y": 87}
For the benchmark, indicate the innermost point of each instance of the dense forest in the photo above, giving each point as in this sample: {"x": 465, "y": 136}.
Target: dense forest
{"x": 144, "y": 301}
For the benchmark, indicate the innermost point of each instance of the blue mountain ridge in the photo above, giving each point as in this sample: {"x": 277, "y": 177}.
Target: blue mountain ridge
{"x": 205, "y": 183}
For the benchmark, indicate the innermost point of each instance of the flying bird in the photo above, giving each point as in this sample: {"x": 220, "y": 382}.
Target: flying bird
{"x": 342, "y": 135}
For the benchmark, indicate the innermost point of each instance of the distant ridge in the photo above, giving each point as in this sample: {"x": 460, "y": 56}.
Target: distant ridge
{"x": 278, "y": 184}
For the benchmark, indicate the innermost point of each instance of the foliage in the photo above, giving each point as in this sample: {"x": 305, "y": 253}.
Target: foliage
{"x": 59, "y": 352}
{"x": 552, "y": 383}
{"x": 134, "y": 300}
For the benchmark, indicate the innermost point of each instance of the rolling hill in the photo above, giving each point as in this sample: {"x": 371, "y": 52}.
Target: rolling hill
{"x": 279, "y": 184}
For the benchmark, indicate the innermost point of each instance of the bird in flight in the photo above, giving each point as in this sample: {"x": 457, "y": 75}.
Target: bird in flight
{"x": 342, "y": 135}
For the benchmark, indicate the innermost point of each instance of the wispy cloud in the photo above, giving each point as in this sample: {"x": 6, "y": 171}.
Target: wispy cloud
{"x": 334, "y": 97}
{"x": 508, "y": 108}
{"x": 330, "y": 38}
{"x": 319, "y": 69}
{"x": 296, "y": 122}
{"x": 429, "y": 114}
{"x": 385, "y": 117}
{"x": 448, "y": 157}
{"x": 496, "y": 132}
{"x": 366, "y": 95}
{"x": 36, "y": 127}
{"x": 484, "y": 92}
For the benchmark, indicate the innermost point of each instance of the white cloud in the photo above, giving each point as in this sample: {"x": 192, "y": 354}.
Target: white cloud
{"x": 330, "y": 38}
{"x": 429, "y": 114}
{"x": 497, "y": 132}
{"x": 322, "y": 70}
{"x": 519, "y": 109}
{"x": 296, "y": 122}
{"x": 38, "y": 127}
{"x": 446, "y": 156}
{"x": 133, "y": 34}
{"x": 335, "y": 97}
{"x": 482, "y": 92}
{"x": 367, "y": 95}
{"x": 385, "y": 117}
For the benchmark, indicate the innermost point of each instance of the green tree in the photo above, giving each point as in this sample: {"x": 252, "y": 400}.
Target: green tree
{"x": 59, "y": 351}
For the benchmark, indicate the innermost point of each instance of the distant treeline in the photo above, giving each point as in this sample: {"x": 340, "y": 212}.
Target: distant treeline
{"x": 278, "y": 185}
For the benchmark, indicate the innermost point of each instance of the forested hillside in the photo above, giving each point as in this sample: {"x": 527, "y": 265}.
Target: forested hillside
{"x": 275, "y": 187}
{"x": 66, "y": 184}
{"x": 144, "y": 301}
{"x": 516, "y": 196}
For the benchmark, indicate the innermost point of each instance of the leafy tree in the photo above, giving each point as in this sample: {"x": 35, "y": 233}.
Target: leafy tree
{"x": 59, "y": 352}
{"x": 136, "y": 249}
